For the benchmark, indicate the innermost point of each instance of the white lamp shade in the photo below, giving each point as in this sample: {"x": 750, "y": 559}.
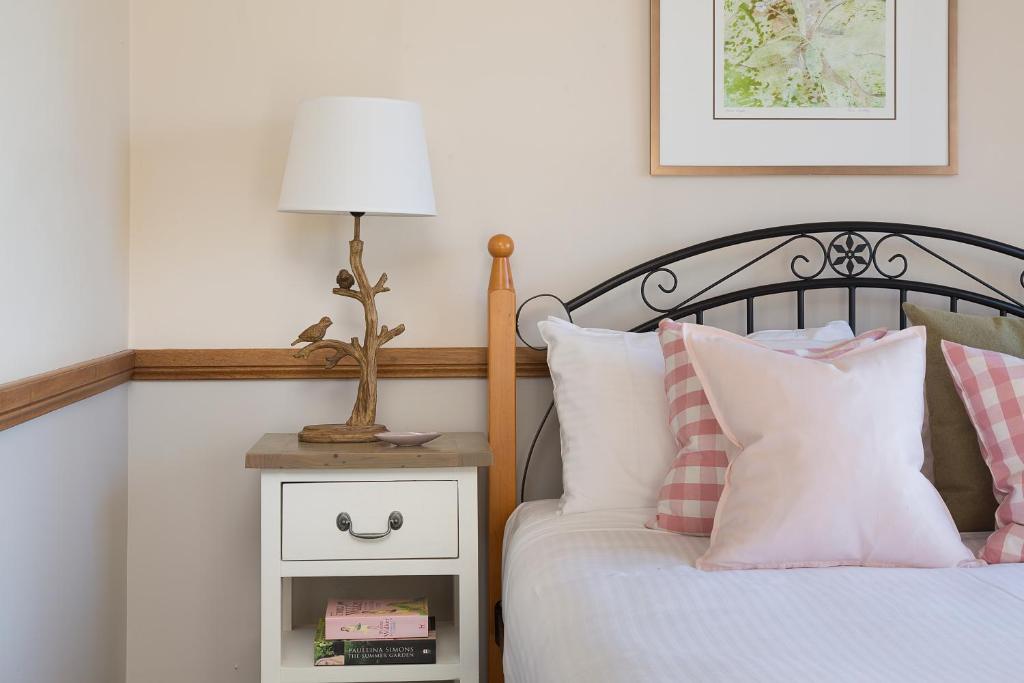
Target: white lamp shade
{"x": 352, "y": 154}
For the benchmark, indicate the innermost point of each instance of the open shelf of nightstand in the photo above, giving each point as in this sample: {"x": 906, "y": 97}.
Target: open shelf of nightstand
{"x": 297, "y": 662}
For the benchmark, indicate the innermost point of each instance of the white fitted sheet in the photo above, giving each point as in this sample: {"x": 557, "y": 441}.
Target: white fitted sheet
{"x": 597, "y": 597}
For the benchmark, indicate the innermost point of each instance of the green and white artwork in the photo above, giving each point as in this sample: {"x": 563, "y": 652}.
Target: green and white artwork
{"x": 805, "y": 59}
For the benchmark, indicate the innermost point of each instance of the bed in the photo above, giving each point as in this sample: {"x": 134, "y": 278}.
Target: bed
{"x": 598, "y": 597}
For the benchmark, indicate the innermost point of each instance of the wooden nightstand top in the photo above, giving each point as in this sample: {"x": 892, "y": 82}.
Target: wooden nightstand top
{"x": 451, "y": 449}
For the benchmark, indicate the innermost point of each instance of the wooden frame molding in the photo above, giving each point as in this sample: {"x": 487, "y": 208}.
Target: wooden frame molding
{"x": 658, "y": 169}
{"x": 25, "y": 399}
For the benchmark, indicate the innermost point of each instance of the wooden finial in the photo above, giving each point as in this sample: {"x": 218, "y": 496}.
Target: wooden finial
{"x": 501, "y": 246}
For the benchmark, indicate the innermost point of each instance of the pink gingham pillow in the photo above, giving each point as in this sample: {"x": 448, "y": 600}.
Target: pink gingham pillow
{"x": 689, "y": 494}
{"x": 991, "y": 386}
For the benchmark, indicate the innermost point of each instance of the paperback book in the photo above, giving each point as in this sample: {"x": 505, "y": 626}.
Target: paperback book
{"x": 376, "y": 619}
{"x": 362, "y": 652}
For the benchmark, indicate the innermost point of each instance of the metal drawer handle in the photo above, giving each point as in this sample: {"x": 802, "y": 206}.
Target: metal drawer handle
{"x": 395, "y": 521}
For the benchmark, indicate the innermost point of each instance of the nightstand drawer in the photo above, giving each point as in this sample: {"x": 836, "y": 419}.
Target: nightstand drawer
{"x": 367, "y": 520}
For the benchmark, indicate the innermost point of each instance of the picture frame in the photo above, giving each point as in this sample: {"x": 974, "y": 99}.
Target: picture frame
{"x": 903, "y": 123}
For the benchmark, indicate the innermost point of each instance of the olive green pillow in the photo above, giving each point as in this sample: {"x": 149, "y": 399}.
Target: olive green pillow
{"x": 960, "y": 474}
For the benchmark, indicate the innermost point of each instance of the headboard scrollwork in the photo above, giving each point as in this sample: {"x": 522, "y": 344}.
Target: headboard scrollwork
{"x": 835, "y": 255}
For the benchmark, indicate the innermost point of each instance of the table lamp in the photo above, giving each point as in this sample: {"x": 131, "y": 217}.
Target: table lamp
{"x": 360, "y": 156}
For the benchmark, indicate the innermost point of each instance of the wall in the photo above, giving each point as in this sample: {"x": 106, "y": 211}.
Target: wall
{"x": 537, "y": 117}
{"x": 63, "y": 274}
{"x": 63, "y": 182}
{"x": 63, "y": 500}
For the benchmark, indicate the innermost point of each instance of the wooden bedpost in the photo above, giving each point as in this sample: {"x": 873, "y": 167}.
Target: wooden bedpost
{"x": 501, "y": 424}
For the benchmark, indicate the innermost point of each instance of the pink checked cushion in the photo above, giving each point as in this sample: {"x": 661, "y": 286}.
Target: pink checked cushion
{"x": 991, "y": 386}
{"x": 689, "y": 494}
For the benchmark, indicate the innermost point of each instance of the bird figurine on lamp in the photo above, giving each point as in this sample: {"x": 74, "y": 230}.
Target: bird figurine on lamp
{"x": 360, "y": 156}
{"x": 314, "y": 333}
{"x": 345, "y": 279}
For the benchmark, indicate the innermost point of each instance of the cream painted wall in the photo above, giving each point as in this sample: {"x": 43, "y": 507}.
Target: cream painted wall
{"x": 63, "y": 278}
{"x": 537, "y": 119}
{"x": 63, "y": 182}
{"x": 63, "y": 499}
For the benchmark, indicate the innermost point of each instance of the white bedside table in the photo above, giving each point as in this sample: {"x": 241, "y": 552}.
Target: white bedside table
{"x": 369, "y": 520}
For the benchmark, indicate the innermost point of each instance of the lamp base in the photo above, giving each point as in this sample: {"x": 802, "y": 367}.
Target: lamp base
{"x": 340, "y": 433}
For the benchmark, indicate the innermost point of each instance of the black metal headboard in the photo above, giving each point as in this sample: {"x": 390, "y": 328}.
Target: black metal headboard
{"x": 834, "y": 256}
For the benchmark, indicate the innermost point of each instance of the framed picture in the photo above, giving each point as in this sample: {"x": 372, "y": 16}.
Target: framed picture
{"x": 741, "y": 87}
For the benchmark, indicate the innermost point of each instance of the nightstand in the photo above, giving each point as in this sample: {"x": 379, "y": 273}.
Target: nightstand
{"x": 369, "y": 520}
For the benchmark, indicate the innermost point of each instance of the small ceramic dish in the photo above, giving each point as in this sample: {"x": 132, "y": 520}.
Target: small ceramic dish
{"x": 407, "y": 438}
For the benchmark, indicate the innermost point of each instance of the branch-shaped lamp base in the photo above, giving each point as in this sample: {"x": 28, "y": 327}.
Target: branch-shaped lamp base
{"x": 362, "y": 424}
{"x": 340, "y": 433}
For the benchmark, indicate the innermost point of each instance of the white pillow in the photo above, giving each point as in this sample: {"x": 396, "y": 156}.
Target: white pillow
{"x": 609, "y": 390}
{"x": 813, "y": 338}
{"x": 828, "y": 470}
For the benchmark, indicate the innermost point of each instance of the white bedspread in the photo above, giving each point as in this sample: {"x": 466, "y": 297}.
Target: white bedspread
{"x": 596, "y": 597}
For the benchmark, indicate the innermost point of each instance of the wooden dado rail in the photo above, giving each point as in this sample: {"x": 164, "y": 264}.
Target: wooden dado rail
{"x": 395, "y": 363}
{"x": 28, "y": 398}
{"x": 25, "y": 399}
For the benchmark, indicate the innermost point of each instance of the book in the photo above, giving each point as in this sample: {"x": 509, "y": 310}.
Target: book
{"x": 376, "y": 619}
{"x": 363, "y": 652}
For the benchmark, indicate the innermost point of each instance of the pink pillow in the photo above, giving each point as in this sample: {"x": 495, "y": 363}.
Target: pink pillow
{"x": 689, "y": 494}
{"x": 991, "y": 386}
{"x": 827, "y": 470}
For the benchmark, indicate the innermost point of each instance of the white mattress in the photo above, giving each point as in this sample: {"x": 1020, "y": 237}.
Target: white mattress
{"x": 596, "y": 597}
